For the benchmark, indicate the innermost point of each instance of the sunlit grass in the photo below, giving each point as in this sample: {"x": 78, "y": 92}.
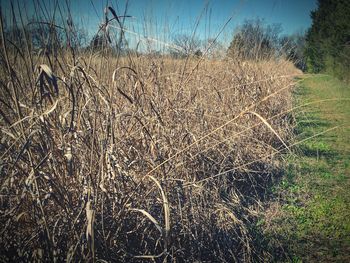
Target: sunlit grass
{"x": 314, "y": 222}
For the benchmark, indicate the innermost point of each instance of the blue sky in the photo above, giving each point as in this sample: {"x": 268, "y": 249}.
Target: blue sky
{"x": 163, "y": 19}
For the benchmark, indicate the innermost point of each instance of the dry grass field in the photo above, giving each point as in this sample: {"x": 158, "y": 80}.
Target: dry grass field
{"x": 111, "y": 159}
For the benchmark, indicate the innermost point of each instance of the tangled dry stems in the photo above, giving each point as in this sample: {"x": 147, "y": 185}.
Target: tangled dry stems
{"x": 133, "y": 158}
{"x": 74, "y": 164}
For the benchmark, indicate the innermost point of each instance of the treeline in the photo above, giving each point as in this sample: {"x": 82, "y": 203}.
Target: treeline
{"x": 254, "y": 40}
{"x": 257, "y": 41}
{"x": 328, "y": 40}
{"x": 325, "y": 47}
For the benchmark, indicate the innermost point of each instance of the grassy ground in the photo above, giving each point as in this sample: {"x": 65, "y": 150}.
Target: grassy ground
{"x": 310, "y": 221}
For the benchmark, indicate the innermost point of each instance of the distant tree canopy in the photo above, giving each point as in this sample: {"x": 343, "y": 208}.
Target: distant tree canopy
{"x": 99, "y": 41}
{"x": 44, "y": 36}
{"x": 214, "y": 49}
{"x": 292, "y": 48}
{"x": 187, "y": 45}
{"x": 255, "y": 41}
{"x": 38, "y": 36}
{"x": 328, "y": 39}
{"x": 109, "y": 42}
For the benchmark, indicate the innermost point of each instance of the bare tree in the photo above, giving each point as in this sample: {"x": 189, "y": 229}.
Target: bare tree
{"x": 255, "y": 41}
{"x": 292, "y": 48}
{"x": 188, "y": 46}
{"x": 214, "y": 49}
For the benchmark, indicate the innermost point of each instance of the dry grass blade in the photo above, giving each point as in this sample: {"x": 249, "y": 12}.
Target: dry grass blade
{"x": 46, "y": 69}
{"x": 114, "y": 14}
{"x": 90, "y": 218}
{"x": 271, "y": 129}
{"x": 150, "y": 217}
{"x": 149, "y": 257}
{"x": 51, "y": 109}
{"x": 90, "y": 214}
{"x": 46, "y": 73}
{"x": 165, "y": 205}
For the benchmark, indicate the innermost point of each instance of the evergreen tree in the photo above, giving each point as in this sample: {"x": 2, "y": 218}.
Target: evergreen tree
{"x": 328, "y": 39}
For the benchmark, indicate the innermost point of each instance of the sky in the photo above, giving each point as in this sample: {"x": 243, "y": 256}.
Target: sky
{"x": 162, "y": 20}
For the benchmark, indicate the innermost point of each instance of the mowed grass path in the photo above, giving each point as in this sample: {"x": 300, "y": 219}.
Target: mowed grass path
{"x": 310, "y": 221}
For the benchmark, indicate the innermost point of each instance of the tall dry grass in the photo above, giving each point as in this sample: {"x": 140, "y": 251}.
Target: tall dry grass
{"x": 135, "y": 158}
